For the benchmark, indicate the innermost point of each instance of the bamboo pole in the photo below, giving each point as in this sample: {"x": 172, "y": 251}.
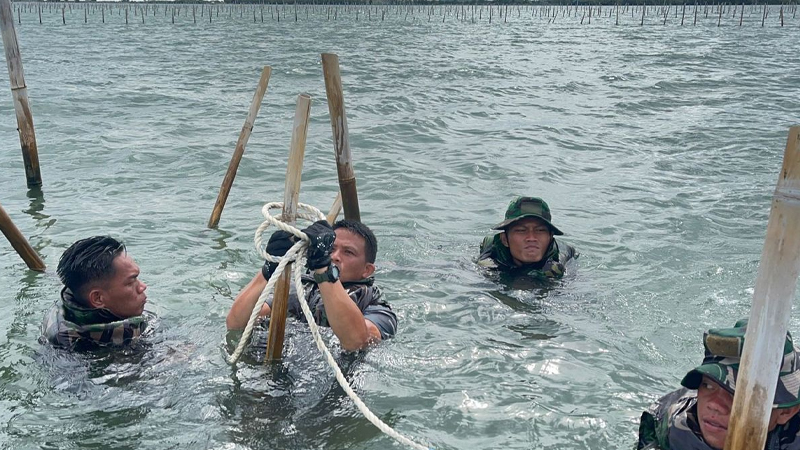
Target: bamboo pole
{"x": 341, "y": 140}
{"x": 19, "y": 242}
{"x": 291, "y": 193}
{"x": 19, "y": 92}
{"x": 244, "y": 136}
{"x": 772, "y": 306}
{"x": 336, "y": 207}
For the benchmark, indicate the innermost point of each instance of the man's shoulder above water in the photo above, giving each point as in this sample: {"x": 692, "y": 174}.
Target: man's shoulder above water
{"x": 68, "y": 324}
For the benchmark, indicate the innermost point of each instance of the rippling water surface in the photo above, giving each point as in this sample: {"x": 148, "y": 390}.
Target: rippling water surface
{"x": 657, "y": 147}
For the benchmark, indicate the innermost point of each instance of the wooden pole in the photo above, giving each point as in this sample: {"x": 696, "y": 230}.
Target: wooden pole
{"x": 244, "y": 136}
{"x": 772, "y": 306}
{"x": 336, "y": 207}
{"x": 291, "y": 193}
{"x": 341, "y": 140}
{"x": 19, "y": 92}
{"x": 19, "y": 242}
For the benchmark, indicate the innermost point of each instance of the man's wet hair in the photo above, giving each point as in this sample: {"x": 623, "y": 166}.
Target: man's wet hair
{"x": 370, "y": 242}
{"x": 88, "y": 260}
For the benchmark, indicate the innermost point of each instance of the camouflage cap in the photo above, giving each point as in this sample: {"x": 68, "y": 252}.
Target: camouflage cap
{"x": 724, "y": 348}
{"x": 522, "y": 207}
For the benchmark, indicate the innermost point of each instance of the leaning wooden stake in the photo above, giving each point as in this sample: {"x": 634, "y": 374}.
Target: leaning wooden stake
{"x": 244, "y": 136}
{"x": 336, "y": 207}
{"x": 19, "y": 242}
{"x": 341, "y": 140}
{"x": 294, "y": 170}
{"x": 27, "y": 137}
{"x": 772, "y": 306}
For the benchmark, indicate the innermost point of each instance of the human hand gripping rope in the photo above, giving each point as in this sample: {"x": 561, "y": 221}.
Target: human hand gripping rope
{"x": 297, "y": 254}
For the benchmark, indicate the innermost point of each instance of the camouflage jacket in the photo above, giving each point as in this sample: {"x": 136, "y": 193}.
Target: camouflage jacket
{"x": 495, "y": 255}
{"x": 73, "y": 326}
{"x": 671, "y": 424}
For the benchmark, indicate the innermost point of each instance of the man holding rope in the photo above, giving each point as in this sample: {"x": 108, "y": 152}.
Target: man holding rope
{"x": 340, "y": 290}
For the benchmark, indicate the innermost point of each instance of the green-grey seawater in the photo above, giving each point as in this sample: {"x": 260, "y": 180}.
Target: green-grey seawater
{"x": 657, "y": 148}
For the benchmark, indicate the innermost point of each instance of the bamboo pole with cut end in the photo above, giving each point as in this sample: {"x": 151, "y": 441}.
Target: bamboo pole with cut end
{"x": 336, "y": 207}
{"x": 341, "y": 139}
{"x": 772, "y": 306}
{"x": 19, "y": 93}
{"x": 244, "y": 136}
{"x": 19, "y": 242}
{"x": 291, "y": 193}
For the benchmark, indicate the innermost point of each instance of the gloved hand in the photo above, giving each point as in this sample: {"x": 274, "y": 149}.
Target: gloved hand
{"x": 279, "y": 243}
{"x": 320, "y": 245}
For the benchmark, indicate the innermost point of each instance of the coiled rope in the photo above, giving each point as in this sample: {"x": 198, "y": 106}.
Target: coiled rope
{"x": 297, "y": 254}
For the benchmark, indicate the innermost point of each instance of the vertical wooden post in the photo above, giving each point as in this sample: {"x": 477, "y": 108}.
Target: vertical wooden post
{"x": 19, "y": 242}
{"x": 244, "y": 136}
{"x": 341, "y": 139}
{"x": 291, "y": 193}
{"x": 772, "y": 307}
{"x": 19, "y": 92}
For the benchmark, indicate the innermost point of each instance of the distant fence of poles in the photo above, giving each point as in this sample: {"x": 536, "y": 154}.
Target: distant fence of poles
{"x": 641, "y": 14}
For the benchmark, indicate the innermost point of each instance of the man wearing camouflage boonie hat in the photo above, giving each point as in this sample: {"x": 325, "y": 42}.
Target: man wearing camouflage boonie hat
{"x": 525, "y": 242}
{"x": 696, "y": 417}
{"x": 102, "y": 302}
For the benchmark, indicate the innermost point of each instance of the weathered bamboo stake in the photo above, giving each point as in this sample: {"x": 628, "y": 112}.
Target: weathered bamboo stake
{"x": 336, "y": 207}
{"x": 741, "y": 14}
{"x": 291, "y": 192}
{"x": 63, "y": 19}
{"x": 764, "y": 17}
{"x": 19, "y": 242}
{"x": 19, "y": 93}
{"x": 341, "y": 139}
{"x": 719, "y": 20}
{"x": 772, "y": 307}
{"x": 244, "y": 136}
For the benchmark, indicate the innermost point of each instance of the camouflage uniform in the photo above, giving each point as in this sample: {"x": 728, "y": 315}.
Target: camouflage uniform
{"x": 671, "y": 423}
{"x": 70, "y": 325}
{"x": 495, "y": 255}
{"x": 367, "y": 296}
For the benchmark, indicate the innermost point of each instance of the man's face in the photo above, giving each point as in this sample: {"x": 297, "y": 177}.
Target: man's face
{"x": 349, "y": 255}
{"x": 527, "y": 240}
{"x": 122, "y": 294}
{"x": 714, "y": 406}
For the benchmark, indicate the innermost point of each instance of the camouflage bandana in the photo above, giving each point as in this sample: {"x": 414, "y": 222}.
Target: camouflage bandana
{"x": 523, "y": 207}
{"x": 723, "y": 350}
{"x": 71, "y": 325}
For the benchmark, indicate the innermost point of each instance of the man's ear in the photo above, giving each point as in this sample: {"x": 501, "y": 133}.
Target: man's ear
{"x": 504, "y": 238}
{"x": 786, "y": 414}
{"x": 96, "y": 298}
{"x": 369, "y": 269}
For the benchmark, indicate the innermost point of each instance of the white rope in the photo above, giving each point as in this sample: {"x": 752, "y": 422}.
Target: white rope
{"x": 298, "y": 254}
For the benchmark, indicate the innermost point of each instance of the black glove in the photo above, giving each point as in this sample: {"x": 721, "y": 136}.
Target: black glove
{"x": 279, "y": 243}
{"x": 320, "y": 245}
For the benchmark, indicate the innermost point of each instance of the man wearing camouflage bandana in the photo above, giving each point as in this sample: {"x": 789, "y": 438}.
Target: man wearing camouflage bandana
{"x": 102, "y": 302}
{"x": 696, "y": 417}
{"x": 525, "y": 244}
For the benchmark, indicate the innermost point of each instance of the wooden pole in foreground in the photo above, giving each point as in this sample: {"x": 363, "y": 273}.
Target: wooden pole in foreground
{"x": 291, "y": 193}
{"x": 19, "y": 242}
{"x": 27, "y": 137}
{"x": 772, "y": 306}
{"x": 244, "y": 136}
{"x": 341, "y": 140}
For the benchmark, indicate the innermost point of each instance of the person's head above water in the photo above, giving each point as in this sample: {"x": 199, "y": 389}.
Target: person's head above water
{"x": 527, "y": 230}
{"x": 100, "y": 274}
{"x": 715, "y": 382}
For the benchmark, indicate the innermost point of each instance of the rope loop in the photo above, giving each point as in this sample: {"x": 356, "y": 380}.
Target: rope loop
{"x": 297, "y": 254}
